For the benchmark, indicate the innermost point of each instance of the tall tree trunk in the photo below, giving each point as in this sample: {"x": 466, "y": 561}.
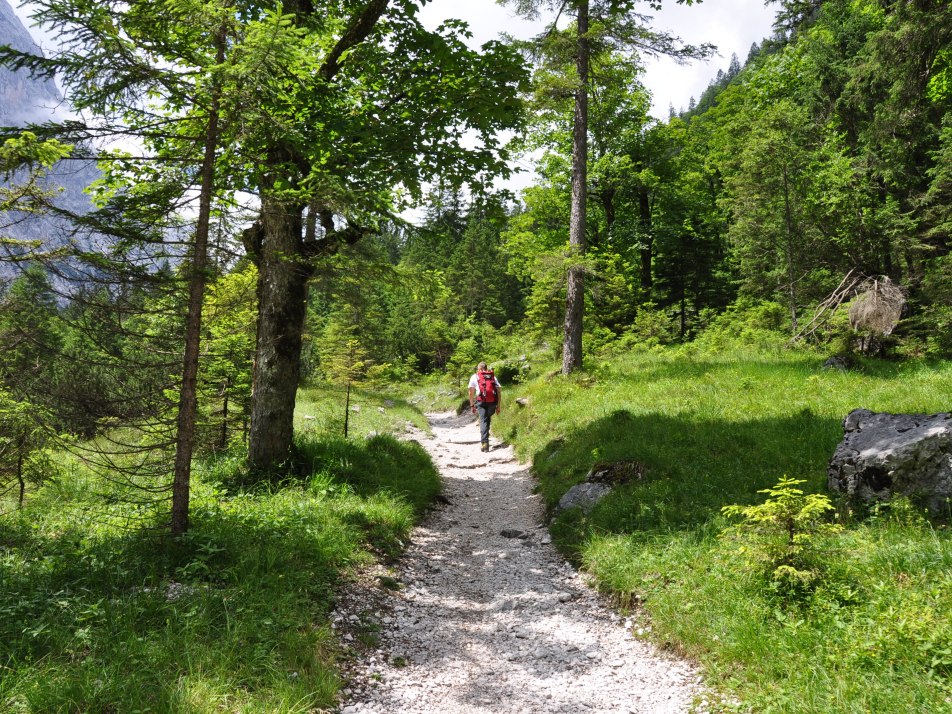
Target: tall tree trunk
{"x": 886, "y": 255}
{"x": 347, "y": 411}
{"x": 284, "y": 269}
{"x": 575, "y": 297}
{"x": 283, "y": 274}
{"x": 608, "y": 205}
{"x": 683, "y": 312}
{"x": 20, "y": 479}
{"x": 647, "y": 242}
{"x": 791, "y": 275}
{"x": 885, "y": 262}
{"x": 223, "y": 436}
{"x": 188, "y": 394}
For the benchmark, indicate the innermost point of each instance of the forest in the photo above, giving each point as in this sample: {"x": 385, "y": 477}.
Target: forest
{"x": 181, "y": 362}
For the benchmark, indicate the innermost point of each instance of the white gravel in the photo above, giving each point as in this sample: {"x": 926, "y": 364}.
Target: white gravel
{"x": 488, "y": 623}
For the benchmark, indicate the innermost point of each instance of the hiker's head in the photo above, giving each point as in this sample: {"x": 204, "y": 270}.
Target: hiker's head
{"x": 481, "y": 367}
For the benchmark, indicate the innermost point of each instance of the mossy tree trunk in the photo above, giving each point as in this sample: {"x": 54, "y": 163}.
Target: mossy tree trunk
{"x": 283, "y": 276}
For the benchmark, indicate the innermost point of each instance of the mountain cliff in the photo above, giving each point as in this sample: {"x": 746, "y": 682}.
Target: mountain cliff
{"x": 22, "y": 97}
{"x": 25, "y": 99}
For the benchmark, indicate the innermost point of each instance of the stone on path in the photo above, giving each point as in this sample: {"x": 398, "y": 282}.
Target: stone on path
{"x": 513, "y": 533}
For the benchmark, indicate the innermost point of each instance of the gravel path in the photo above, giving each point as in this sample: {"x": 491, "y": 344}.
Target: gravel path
{"x": 491, "y": 619}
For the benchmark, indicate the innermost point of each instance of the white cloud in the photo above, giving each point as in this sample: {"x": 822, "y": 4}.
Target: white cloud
{"x": 487, "y": 19}
{"x": 731, "y": 25}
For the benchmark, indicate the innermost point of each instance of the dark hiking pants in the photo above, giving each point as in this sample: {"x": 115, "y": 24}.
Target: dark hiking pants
{"x": 485, "y": 411}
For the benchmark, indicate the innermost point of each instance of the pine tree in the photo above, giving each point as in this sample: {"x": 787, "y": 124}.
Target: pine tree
{"x": 599, "y": 26}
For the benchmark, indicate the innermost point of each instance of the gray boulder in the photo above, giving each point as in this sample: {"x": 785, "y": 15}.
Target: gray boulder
{"x": 883, "y": 455}
{"x": 583, "y": 495}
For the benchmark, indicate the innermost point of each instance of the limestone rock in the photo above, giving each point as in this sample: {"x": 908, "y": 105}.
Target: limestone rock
{"x": 883, "y": 455}
{"x": 26, "y": 99}
{"x": 583, "y": 495}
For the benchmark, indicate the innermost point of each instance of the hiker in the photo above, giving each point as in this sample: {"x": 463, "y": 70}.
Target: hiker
{"x": 484, "y": 399}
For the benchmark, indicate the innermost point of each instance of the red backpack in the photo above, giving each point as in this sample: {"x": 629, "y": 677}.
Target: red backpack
{"x": 487, "y": 386}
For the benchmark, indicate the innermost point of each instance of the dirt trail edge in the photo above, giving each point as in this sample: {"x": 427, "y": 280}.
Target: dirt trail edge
{"x": 490, "y": 618}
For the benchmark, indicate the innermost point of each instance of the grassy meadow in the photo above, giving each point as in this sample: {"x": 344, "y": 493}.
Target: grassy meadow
{"x": 871, "y": 633}
{"x": 101, "y": 613}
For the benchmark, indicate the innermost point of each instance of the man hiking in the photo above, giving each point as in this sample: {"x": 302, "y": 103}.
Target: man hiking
{"x": 484, "y": 400}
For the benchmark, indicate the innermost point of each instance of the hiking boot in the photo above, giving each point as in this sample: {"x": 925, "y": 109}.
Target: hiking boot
{"x": 485, "y": 446}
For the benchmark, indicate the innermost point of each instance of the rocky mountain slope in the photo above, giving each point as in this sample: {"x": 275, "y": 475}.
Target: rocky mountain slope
{"x": 22, "y": 97}
{"x": 25, "y": 99}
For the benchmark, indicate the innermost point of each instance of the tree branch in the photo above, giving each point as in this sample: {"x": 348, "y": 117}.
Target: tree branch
{"x": 358, "y": 31}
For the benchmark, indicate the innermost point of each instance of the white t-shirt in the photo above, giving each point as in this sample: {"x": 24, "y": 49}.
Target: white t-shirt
{"x": 474, "y": 384}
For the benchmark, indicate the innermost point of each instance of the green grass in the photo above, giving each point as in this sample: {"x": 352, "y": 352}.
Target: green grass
{"x": 435, "y": 394}
{"x": 321, "y": 410}
{"x": 97, "y": 616}
{"x": 712, "y": 430}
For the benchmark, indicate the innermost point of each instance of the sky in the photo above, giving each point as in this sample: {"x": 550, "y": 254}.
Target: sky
{"x": 731, "y": 25}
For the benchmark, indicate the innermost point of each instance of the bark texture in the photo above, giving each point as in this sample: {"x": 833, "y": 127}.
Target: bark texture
{"x": 575, "y": 296}
{"x": 283, "y": 273}
{"x": 188, "y": 394}
{"x": 647, "y": 241}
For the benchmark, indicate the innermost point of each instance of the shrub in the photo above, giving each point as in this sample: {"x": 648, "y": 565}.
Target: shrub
{"x": 652, "y": 327}
{"x": 782, "y": 536}
{"x": 762, "y": 324}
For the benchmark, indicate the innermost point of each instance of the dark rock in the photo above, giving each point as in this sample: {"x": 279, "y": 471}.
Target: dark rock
{"x": 23, "y": 98}
{"x": 837, "y": 362}
{"x": 513, "y": 533}
{"x": 599, "y": 482}
{"x": 885, "y": 455}
{"x": 617, "y": 472}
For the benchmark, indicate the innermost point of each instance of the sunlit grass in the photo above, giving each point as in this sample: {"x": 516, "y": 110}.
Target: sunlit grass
{"x": 321, "y": 409}
{"x": 97, "y": 617}
{"x": 713, "y": 429}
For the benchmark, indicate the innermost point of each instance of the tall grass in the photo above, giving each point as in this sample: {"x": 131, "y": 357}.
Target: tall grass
{"x": 97, "y": 617}
{"x": 712, "y": 430}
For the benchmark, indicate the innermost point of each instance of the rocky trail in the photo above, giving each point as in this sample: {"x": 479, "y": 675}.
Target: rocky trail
{"x": 489, "y": 618}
